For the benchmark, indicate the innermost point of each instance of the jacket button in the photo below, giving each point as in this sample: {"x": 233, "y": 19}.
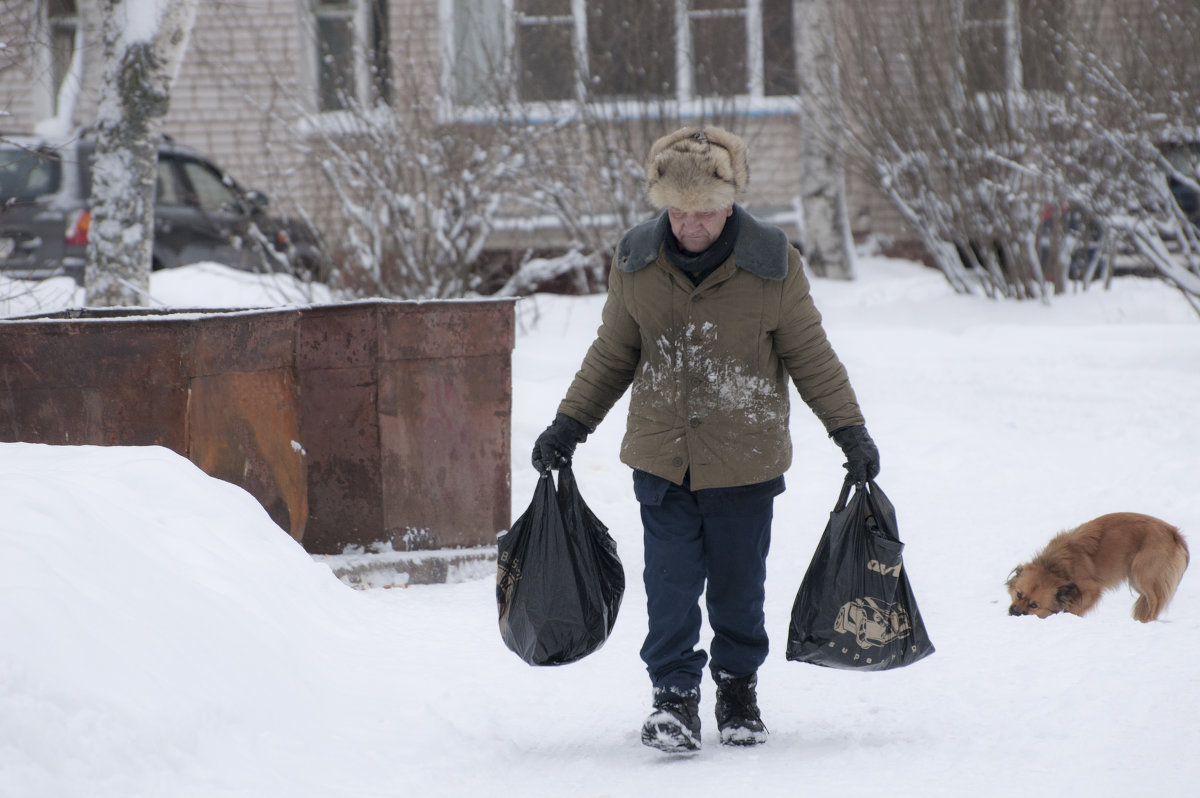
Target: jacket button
{"x": 694, "y": 422}
{"x": 678, "y": 461}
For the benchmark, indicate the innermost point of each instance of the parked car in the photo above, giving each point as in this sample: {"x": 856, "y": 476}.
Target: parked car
{"x": 1082, "y": 234}
{"x": 201, "y": 214}
{"x": 1184, "y": 157}
{"x": 1079, "y": 232}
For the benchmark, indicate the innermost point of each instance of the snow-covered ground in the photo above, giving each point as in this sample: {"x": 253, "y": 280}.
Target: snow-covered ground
{"x": 159, "y": 636}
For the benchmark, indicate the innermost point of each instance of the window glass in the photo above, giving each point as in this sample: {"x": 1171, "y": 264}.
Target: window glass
{"x": 210, "y": 191}
{"x": 1041, "y": 51}
{"x": 1184, "y": 158}
{"x": 718, "y": 29}
{"x": 545, "y": 55}
{"x": 631, "y": 49}
{"x": 25, "y": 175}
{"x": 335, "y": 54}
{"x": 478, "y": 51}
{"x": 545, "y": 8}
{"x": 985, "y": 11}
{"x": 381, "y": 58}
{"x": 63, "y": 22}
{"x": 166, "y": 184}
{"x": 984, "y": 46}
{"x": 779, "y": 50}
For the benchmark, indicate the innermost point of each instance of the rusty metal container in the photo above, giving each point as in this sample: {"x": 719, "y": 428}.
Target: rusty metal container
{"x": 376, "y": 425}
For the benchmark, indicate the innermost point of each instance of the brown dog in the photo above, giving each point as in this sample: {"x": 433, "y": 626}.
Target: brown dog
{"x": 1077, "y": 566}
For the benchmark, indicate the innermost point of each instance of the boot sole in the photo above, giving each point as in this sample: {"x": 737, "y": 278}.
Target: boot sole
{"x": 670, "y": 739}
{"x": 742, "y": 736}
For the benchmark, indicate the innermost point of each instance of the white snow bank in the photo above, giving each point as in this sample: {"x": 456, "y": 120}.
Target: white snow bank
{"x": 159, "y": 636}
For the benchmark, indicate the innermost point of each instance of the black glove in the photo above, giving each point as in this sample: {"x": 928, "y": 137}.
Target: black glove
{"x": 862, "y": 456}
{"x": 555, "y": 446}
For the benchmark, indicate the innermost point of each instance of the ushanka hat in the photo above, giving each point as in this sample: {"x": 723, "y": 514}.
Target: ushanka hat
{"x": 697, "y": 169}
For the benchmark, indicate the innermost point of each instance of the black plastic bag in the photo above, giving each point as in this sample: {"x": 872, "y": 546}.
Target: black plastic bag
{"x": 855, "y": 608}
{"x": 559, "y": 581}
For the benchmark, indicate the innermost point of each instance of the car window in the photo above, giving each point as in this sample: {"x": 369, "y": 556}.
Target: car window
{"x": 210, "y": 191}
{"x": 26, "y": 175}
{"x": 1185, "y": 159}
{"x": 166, "y": 184}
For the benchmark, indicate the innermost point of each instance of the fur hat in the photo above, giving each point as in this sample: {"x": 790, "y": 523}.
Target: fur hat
{"x": 697, "y": 169}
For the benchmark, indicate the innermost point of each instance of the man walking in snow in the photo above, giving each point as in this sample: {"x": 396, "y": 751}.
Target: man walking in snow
{"x": 707, "y": 317}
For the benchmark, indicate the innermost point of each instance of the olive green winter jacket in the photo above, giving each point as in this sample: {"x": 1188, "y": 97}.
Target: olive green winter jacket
{"x": 709, "y": 364}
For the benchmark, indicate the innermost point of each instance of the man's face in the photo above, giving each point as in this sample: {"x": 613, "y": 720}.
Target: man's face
{"x": 697, "y": 230}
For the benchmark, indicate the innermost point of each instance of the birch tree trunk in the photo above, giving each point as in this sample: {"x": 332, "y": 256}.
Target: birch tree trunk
{"x": 144, "y": 43}
{"x": 827, "y": 244}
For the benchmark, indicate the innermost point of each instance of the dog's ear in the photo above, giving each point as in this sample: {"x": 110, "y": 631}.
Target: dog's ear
{"x": 1067, "y": 595}
{"x": 1012, "y": 577}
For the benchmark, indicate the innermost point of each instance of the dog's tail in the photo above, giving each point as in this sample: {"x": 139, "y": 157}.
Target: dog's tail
{"x": 1157, "y": 574}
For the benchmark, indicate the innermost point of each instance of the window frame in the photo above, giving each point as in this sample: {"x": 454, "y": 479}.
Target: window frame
{"x": 1012, "y": 24}
{"x": 367, "y": 71}
{"x": 684, "y": 101}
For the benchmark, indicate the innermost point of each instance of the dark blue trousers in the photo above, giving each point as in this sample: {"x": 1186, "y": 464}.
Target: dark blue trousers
{"x": 712, "y": 542}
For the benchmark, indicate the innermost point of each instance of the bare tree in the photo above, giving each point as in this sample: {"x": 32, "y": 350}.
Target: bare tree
{"x": 586, "y": 173}
{"x": 412, "y": 190}
{"x": 827, "y": 242}
{"x": 415, "y": 199}
{"x": 584, "y": 178}
{"x": 1025, "y": 144}
{"x": 949, "y": 155}
{"x": 16, "y": 35}
{"x": 1148, "y": 95}
{"x": 142, "y": 54}
{"x": 406, "y": 196}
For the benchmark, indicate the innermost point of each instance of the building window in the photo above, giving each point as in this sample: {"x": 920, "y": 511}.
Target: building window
{"x": 1042, "y": 57}
{"x": 352, "y": 53}
{"x": 335, "y": 54}
{"x": 779, "y": 49}
{"x": 631, "y": 50}
{"x": 985, "y": 52}
{"x": 606, "y": 50}
{"x": 718, "y": 59}
{"x": 62, "y": 20}
{"x": 1013, "y": 45}
{"x": 545, "y": 43}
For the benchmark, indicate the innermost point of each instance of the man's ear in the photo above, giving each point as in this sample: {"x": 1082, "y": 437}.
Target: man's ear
{"x": 1067, "y": 595}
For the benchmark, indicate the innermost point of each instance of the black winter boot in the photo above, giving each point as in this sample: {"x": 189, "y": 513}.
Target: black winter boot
{"x": 674, "y": 725}
{"x": 738, "y": 718}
